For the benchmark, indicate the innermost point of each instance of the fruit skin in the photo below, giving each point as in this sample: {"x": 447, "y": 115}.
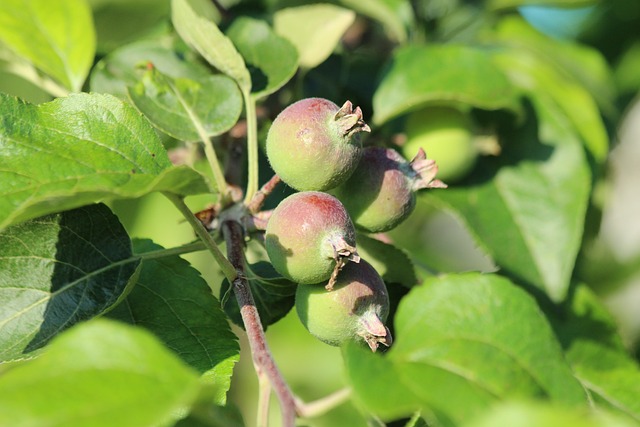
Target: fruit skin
{"x": 308, "y": 235}
{"x": 315, "y": 145}
{"x": 381, "y": 192}
{"x": 447, "y": 137}
{"x": 355, "y": 309}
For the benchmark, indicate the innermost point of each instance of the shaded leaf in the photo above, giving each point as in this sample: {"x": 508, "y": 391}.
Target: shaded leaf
{"x": 274, "y": 295}
{"x": 271, "y": 59}
{"x": 315, "y": 30}
{"x": 99, "y": 374}
{"x": 392, "y": 263}
{"x": 17, "y": 77}
{"x": 195, "y": 20}
{"x": 463, "y": 342}
{"x": 78, "y": 150}
{"x": 419, "y": 75}
{"x": 179, "y": 107}
{"x": 172, "y": 300}
{"x": 57, "y": 37}
{"x": 59, "y": 270}
{"x": 119, "y": 21}
{"x": 204, "y": 414}
{"x": 113, "y": 73}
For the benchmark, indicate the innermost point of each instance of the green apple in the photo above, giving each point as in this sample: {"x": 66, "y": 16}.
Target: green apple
{"x": 446, "y": 134}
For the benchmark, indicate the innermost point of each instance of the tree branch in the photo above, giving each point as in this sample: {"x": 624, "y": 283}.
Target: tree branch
{"x": 262, "y": 359}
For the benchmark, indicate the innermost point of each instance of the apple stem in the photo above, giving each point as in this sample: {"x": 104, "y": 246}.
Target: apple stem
{"x": 257, "y": 201}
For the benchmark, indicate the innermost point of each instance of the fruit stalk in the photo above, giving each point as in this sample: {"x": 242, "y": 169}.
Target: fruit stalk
{"x": 258, "y": 199}
{"x": 262, "y": 358}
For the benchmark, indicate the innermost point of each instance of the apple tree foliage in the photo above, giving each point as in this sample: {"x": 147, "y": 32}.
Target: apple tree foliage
{"x": 103, "y": 101}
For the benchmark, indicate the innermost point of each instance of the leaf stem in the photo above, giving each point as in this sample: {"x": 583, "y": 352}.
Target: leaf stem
{"x": 209, "y": 151}
{"x": 324, "y": 405}
{"x": 252, "y": 145}
{"x": 227, "y": 268}
{"x": 187, "y": 248}
{"x": 264, "y": 395}
{"x": 262, "y": 358}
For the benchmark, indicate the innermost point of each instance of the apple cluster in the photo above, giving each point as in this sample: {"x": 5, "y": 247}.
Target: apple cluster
{"x": 315, "y": 147}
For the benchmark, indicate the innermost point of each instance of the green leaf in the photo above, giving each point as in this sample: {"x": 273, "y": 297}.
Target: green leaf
{"x": 392, "y": 263}
{"x": 274, "y": 295}
{"x": 119, "y": 69}
{"x": 59, "y": 270}
{"x": 171, "y": 300}
{"x": 534, "y": 414}
{"x": 390, "y": 13}
{"x": 99, "y": 374}
{"x": 57, "y": 37}
{"x": 78, "y": 150}
{"x": 179, "y": 107}
{"x": 194, "y": 20}
{"x": 597, "y": 355}
{"x": 121, "y": 21}
{"x": 566, "y": 77}
{"x": 271, "y": 59}
{"x": 463, "y": 342}
{"x": 436, "y": 74}
{"x": 528, "y": 210}
{"x": 315, "y": 30}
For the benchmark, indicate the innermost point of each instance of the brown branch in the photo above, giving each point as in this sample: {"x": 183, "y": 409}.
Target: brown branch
{"x": 262, "y": 358}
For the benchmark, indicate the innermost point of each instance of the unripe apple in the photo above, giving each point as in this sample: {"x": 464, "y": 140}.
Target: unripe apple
{"x": 309, "y": 237}
{"x": 446, "y": 135}
{"x": 315, "y": 145}
{"x": 355, "y": 309}
{"x": 381, "y": 192}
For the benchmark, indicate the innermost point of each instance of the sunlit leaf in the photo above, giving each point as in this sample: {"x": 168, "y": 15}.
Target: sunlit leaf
{"x": 532, "y": 414}
{"x": 462, "y": 343}
{"x": 194, "y": 20}
{"x": 566, "y": 83}
{"x": 392, "y": 14}
{"x": 120, "y": 68}
{"x": 79, "y": 150}
{"x": 436, "y": 74}
{"x": 99, "y": 374}
{"x": 597, "y": 355}
{"x": 272, "y": 60}
{"x": 57, "y": 37}
{"x": 527, "y": 207}
{"x": 181, "y": 106}
{"x": 315, "y": 30}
